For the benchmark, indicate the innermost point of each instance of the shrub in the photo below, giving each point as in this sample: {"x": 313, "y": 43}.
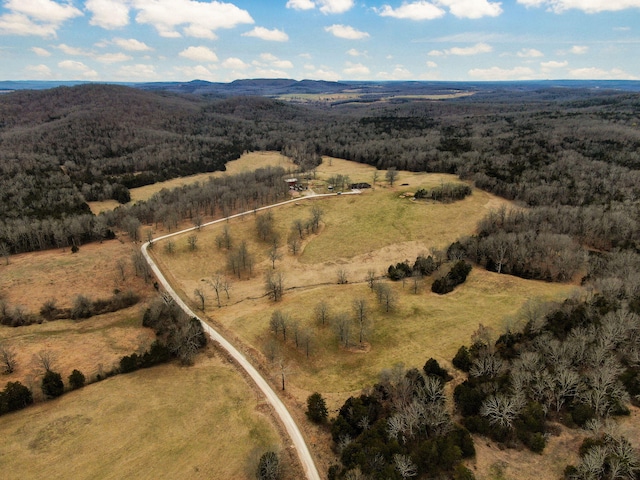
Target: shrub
{"x": 15, "y": 396}
{"x": 82, "y": 307}
{"x": 433, "y": 368}
{"x": 456, "y": 276}
{"x": 316, "y": 408}
{"x": 462, "y": 360}
{"x": 52, "y": 385}
{"x": 76, "y": 379}
{"x": 269, "y": 467}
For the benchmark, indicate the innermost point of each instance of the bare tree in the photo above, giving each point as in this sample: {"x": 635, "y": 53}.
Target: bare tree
{"x": 170, "y": 247}
{"x": 298, "y": 227}
{"x": 217, "y": 282}
{"x": 306, "y": 337}
{"x": 316, "y": 217}
{"x": 391, "y": 175}
{"x": 121, "y": 268}
{"x": 44, "y": 359}
{"x": 5, "y": 252}
{"x": 322, "y": 312}
{"x": 386, "y": 296}
{"x": 371, "y": 278}
{"x": 294, "y": 243}
{"x": 8, "y": 361}
{"x": 224, "y": 239}
{"x": 192, "y": 241}
{"x": 274, "y": 255}
{"x": 199, "y": 294}
{"x": 342, "y": 326}
{"x": 140, "y": 265}
{"x": 405, "y": 466}
{"x": 274, "y": 285}
{"x": 502, "y": 410}
{"x": 342, "y": 276}
{"x": 361, "y": 314}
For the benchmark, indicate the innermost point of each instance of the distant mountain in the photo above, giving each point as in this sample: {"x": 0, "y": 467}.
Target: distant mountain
{"x": 282, "y": 86}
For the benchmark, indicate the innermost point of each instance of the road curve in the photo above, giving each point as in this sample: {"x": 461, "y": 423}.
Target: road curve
{"x": 289, "y": 423}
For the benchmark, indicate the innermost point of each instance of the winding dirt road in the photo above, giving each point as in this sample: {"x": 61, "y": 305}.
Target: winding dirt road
{"x": 280, "y": 409}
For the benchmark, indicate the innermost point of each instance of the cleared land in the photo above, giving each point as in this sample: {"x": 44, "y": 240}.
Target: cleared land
{"x": 360, "y": 233}
{"x": 165, "y": 422}
{"x": 248, "y": 162}
{"x": 93, "y": 345}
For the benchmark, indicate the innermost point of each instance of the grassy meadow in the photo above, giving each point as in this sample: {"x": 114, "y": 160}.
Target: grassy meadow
{"x": 359, "y": 233}
{"x": 164, "y": 422}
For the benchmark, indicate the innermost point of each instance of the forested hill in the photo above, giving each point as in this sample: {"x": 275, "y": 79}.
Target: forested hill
{"x": 571, "y": 149}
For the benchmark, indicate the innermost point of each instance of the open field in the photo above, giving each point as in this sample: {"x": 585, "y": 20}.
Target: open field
{"x": 248, "y": 162}
{"x": 359, "y": 97}
{"x": 360, "y": 233}
{"x": 166, "y": 422}
{"x": 93, "y": 345}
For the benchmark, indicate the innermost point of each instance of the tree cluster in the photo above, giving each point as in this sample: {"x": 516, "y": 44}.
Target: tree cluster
{"x": 445, "y": 193}
{"x": 400, "y": 428}
{"x": 181, "y": 335}
{"x": 571, "y": 363}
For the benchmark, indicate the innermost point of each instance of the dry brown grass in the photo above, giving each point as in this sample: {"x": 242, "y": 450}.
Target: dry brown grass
{"x": 166, "y": 422}
{"x": 94, "y": 345}
{"x": 360, "y": 233}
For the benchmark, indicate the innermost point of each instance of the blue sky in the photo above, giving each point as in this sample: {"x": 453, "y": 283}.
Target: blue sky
{"x": 181, "y": 40}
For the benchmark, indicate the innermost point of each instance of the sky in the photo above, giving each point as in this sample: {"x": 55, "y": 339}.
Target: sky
{"x": 219, "y": 41}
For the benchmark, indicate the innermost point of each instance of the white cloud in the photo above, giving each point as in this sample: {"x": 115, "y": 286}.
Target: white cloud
{"x": 79, "y": 68}
{"x": 199, "y": 71}
{"x": 18, "y": 24}
{"x": 35, "y": 17}
{"x": 199, "y": 19}
{"x": 270, "y": 73}
{"x": 334, "y": 6}
{"x": 593, "y": 73}
{"x": 587, "y": 6}
{"x": 472, "y": 9}
{"x": 463, "y": 51}
{"x": 234, "y": 63}
{"x": 73, "y": 50}
{"x": 473, "y": 50}
{"x": 41, "y": 52}
{"x": 345, "y": 31}
{"x": 579, "y": 49}
{"x": 108, "y": 14}
{"x": 530, "y": 53}
{"x": 356, "y": 70}
{"x": 38, "y": 71}
{"x": 497, "y": 73}
{"x": 326, "y": 6}
{"x": 424, "y": 10}
{"x": 274, "y": 35}
{"x": 113, "y": 57}
{"x": 357, "y": 53}
{"x": 431, "y": 64}
{"x": 420, "y": 10}
{"x": 45, "y": 11}
{"x": 323, "y": 73}
{"x": 550, "y": 65}
{"x": 199, "y": 54}
{"x": 301, "y": 4}
{"x": 131, "y": 44}
{"x": 398, "y": 73}
{"x": 139, "y": 71}
{"x": 270, "y": 61}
